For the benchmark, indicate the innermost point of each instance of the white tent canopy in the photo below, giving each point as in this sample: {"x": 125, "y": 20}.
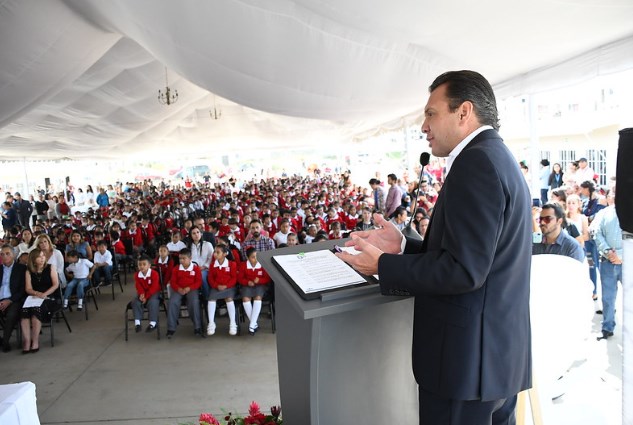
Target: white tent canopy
{"x": 79, "y": 78}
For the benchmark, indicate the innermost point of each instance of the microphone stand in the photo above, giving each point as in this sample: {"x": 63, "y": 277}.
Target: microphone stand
{"x": 409, "y": 231}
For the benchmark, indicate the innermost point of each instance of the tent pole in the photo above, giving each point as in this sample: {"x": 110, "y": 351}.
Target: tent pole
{"x": 627, "y": 328}
{"x": 535, "y": 188}
{"x": 27, "y": 191}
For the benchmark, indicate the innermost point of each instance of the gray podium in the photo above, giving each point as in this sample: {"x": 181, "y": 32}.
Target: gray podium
{"x": 343, "y": 359}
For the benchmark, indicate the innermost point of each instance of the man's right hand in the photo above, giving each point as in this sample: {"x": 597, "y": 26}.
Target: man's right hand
{"x": 387, "y": 237}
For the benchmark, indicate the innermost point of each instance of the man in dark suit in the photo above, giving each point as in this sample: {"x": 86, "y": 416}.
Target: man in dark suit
{"x": 471, "y": 275}
{"x": 12, "y": 293}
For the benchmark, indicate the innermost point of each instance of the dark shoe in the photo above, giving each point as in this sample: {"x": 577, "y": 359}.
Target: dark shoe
{"x": 150, "y": 328}
{"x": 198, "y": 332}
{"x": 251, "y": 331}
{"x": 137, "y": 328}
{"x": 605, "y": 335}
{"x": 35, "y": 350}
{"x": 170, "y": 334}
{"x": 26, "y": 351}
{"x": 106, "y": 284}
{"x": 598, "y": 311}
{"x": 80, "y": 307}
{"x": 6, "y": 348}
{"x": 594, "y": 297}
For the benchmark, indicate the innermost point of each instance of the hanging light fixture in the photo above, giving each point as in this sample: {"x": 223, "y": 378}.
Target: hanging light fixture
{"x": 215, "y": 113}
{"x": 168, "y": 97}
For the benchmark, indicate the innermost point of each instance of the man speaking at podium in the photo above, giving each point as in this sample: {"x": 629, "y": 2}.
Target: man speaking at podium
{"x": 471, "y": 275}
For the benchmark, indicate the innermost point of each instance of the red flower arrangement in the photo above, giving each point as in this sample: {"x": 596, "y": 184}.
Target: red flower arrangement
{"x": 255, "y": 417}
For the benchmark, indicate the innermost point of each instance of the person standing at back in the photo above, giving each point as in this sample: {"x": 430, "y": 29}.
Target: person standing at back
{"x": 471, "y": 275}
{"x": 394, "y": 195}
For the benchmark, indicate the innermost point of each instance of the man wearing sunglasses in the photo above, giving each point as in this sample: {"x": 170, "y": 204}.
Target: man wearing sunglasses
{"x": 555, "y": 239}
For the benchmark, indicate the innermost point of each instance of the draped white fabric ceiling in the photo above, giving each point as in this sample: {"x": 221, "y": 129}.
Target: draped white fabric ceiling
{"x": 79, "y": 78}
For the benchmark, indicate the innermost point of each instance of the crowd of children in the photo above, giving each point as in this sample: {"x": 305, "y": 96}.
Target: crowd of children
{"x": 188, "y": 244}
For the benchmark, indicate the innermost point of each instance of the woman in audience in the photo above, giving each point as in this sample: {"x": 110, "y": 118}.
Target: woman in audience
{"x": 41, "y": 282}
{"x": 28, "y": 241}
{"x": 560, "y": 197}
{"x": 556, "y": 177}
{"x": 80, "y": 197}
{"x": 201, "y": 254}
{"x": 90, "y": 196}
{"x": 575, "y": 217}
{"x": 52, "y": 206}
{"x": 78, "y": 244}
{"x": 54, "y": 256}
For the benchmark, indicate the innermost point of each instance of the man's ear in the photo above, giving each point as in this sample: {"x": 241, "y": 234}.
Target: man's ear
{"x": 465, "y": 111}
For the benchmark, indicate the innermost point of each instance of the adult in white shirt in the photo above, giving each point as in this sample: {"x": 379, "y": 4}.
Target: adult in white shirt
{"x": 201, "y": 254}
{"x": 584, "y": 172}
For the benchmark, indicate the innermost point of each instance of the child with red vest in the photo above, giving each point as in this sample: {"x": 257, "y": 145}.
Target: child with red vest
{"x": 186, "y": 280}
{"x": 253, "y": 285}
{"x": 222, "y": 279}
{"x": 147, "y": 289}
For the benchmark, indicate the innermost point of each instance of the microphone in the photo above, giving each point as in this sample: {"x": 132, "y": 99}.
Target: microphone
{"x": 409, "y": 231}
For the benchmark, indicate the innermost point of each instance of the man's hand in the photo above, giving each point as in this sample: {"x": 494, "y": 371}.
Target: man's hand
{"x": 182, "y": 291}
{"x": 387, "y": 238}
{"x": 142, "y": 298}
{"x": 221, "y": 287}
{"x": 251, "y": 283}
{"x": 4, "y": 304}
{"x": 367, "y": 261}
{"x": 613, "y": 258}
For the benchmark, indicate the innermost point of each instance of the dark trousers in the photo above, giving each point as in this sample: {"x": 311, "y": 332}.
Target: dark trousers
{"x": 436, "y": 410}
{"x": 11, "y": 315}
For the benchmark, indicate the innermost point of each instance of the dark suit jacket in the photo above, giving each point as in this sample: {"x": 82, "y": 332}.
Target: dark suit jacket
{"x": 18, "y": 291}
{"x": 471, "y": 279}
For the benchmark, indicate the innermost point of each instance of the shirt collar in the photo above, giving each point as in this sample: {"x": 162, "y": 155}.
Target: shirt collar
{"x": 160, "y": 260}
{"x": 251, "y": 267}
{"x": 188, "y": 269}
{"x": 221, "y": 266}
{"x": 142, "y": 276}
{"x": 460, "y": 147}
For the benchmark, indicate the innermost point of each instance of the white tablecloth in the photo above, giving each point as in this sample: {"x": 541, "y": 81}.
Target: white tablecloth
{"x": 17, "y": 404}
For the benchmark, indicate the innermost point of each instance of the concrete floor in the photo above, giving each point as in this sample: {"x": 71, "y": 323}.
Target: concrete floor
{"x": 92, "y": 376}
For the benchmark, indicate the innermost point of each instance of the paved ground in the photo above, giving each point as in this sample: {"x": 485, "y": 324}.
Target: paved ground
{"x": 92, "y": 376}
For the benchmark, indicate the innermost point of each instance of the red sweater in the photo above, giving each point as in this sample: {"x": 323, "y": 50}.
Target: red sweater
{"x": 181, "y": 279}
{"x": 247, "y": 275}
{"x": 119, "y": 248}
{"x": 226, "y": 276}
{"x": 137, "y": 237}
{"x": 165, "y": 270}
{"x": 147, "y": 286}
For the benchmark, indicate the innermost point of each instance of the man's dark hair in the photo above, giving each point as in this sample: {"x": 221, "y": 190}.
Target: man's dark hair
{"x": 462, "y": 86}
{"x": 392, "y": 176}
{"x": 558, "y": 210}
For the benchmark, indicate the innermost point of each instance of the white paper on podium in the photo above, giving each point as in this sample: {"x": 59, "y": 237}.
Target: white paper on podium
{"x": 32, "y": 301}
{"x": 318, "y": 271}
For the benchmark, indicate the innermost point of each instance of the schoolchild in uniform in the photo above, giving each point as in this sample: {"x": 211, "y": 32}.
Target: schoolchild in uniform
{"x": 186, "y": 280}
{"x": 222, "y": 279}
{"x": 254, "y": 282}
{"x": 147, "y": 284}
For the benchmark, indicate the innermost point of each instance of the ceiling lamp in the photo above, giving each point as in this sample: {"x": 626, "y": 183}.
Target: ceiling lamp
{"x": 168, "y": 97}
